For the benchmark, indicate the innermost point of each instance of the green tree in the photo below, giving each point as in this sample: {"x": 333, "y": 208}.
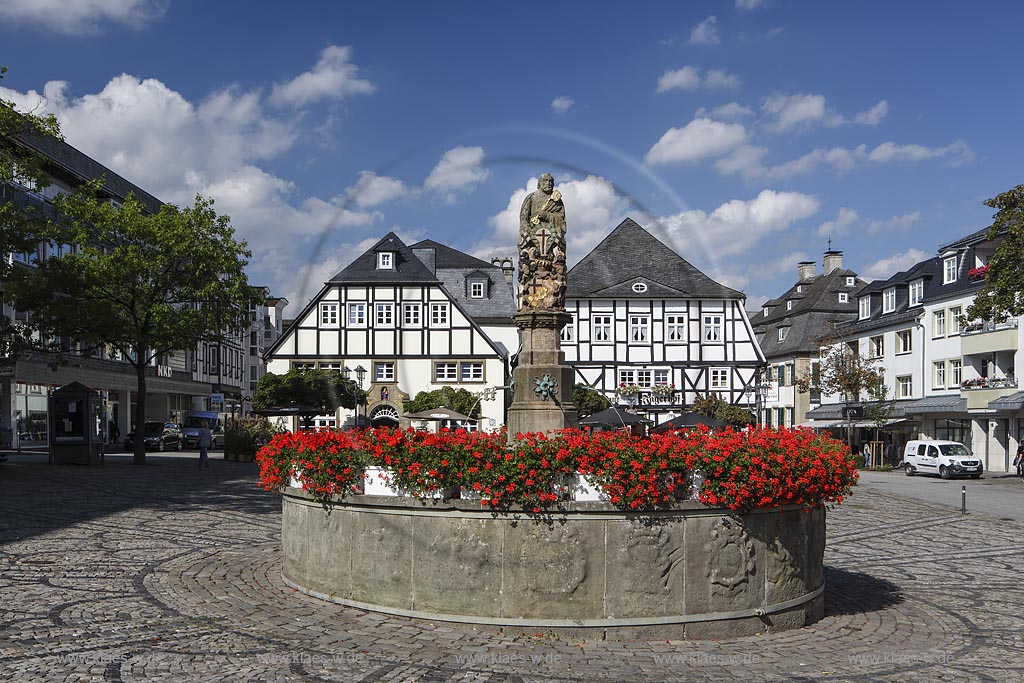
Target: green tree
{"x": 843, "y": 372}
{"x": 588, "y": 400}
{"x": 881, "y": 405}
{"x": 459, "y": 400}
{"x": 326, "y": 390}
{"x": 717, "y": 407}
{"x": 1002, "y": 295}
{"x": 144, "y": 284}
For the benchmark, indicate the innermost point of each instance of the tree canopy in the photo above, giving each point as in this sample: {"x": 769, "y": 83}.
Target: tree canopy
{"x": 323, "y": 389}
{"x": 459, "y": 400}
{"x": 713, "y": 405}
{"x": 144, "y": 284}
{"x": 588, "y": 400}
{"x": 1002, "y": 295}
{"x": 846, "y": 373}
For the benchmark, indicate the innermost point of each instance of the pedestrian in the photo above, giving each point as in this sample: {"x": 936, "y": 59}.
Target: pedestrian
{"x": 205, "y": 439}
{"x": 1019, "y": 460}
{"x": 867, "y": 454}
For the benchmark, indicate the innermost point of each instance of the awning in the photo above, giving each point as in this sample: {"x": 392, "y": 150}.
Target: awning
{"x": 1011, "y": 402}
{"x": 951, "y": 403}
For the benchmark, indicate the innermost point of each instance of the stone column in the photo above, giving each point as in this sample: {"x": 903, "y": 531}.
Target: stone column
{"x": 543, "y": 383}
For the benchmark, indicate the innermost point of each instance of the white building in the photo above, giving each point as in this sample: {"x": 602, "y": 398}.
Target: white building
{"x": 417, "y": 319}
{"x": 643, "y": 316}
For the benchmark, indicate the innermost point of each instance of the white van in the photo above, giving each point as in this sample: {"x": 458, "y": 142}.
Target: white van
{"x": 944, "y": 458}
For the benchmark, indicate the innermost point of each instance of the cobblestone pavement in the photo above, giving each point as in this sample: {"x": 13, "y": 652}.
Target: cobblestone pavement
{"x": 172, "y": 573}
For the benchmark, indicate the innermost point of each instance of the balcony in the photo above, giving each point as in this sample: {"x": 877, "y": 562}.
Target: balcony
{"x": 989, "y": 337}
{"x": 980, "y": 390}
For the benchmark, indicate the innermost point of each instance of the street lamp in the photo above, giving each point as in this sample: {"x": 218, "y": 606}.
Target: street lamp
{"x": 360, "y": 374}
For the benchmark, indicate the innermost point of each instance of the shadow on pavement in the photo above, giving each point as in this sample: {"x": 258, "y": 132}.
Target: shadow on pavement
{"x": 848, "y": 592}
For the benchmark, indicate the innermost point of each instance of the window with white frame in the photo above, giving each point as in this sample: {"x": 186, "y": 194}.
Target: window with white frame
{"x": 904, "y": 341}
{"x": 385, "y": 260}
{"x": 719, "y": 378}
{"x": 949, "y": 270}
{"x": 799, "y": 289}
{"x": 357, "y": 314}
{"x": 639, "y": 329}
{"x": 939, "y": 324}
{"x": 851, "y": 281}
{"x": 712, "y": 327}
{"x": 764, "y": 311}
{"x": 865, "y": 307}
{"x": 956, "y": 372}
{"x": 889, "y": 300}
{"x": 939, "y": 374}
{"x": 661, "y": 376}
{"x": 471, "y": 371}
{"x": 627, "y": 376}
{"x": 411, "y": 315}
{"x": 782, "y": 333}
{"x": 328, "y": 315}
{"x": 643, "y": 378}
{"x": 303, "y": 366}
{"x": 876, "y": 346}
{"x": 789, "y": 305}
{"x": 446, "y": 372}
{"x": 954, "y": 320}
{"x": 476, "y": 289}
{"x": 916, "y": 292}
{"x": 602, "y": 329}
{"x": 844, "y": 298}
{"x": 904, "y": 386}
{"x": 384, "y": 372}
{"x": 639, "y": 287}
{"x": 675, "y": 328}
{"x": 568, "y": 333}
{"x": 385, "y": 315}
{"x": 438, "y": 315}
{"x": 331, "y": 366}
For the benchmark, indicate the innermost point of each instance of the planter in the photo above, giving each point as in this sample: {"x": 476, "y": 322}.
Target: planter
{"x": 586, "y": 489}
{"x": 375, "y": 485}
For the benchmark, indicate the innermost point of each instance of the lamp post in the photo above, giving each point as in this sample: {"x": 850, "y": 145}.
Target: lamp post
{"x": 360, "y": 374}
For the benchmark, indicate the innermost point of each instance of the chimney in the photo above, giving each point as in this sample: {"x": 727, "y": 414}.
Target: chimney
{"x": 805, "y": 271}
{"x": 508, "y": 269}
{"x": 426, "y": 255}
{"x": 833, "y": 260}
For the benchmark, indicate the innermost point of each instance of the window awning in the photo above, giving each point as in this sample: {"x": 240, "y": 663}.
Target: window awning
{"x": 951, "y": 403}
{"x": 1011, "y": 402}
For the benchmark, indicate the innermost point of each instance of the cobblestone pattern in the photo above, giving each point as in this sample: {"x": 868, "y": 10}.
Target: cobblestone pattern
{"x": 170, "y": 573}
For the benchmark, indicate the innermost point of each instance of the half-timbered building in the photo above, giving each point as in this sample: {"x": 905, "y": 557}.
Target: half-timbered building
{"x": 651, "y": 330}
{"x": 417, "y": 318}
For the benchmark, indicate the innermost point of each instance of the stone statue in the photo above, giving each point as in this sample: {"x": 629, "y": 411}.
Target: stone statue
{"x": 542, "y": 248}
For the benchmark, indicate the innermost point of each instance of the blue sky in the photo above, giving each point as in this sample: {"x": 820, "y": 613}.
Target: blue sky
{"x": 744, "y": 133}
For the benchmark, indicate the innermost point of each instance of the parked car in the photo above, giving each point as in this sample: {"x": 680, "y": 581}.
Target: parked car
{"x": 944, "y": 458}
{"x": 159, "y": 436}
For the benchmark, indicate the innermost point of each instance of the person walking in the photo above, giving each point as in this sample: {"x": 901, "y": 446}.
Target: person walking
{"x": 1019, "y": 460}
{"x": 205, "y": 439}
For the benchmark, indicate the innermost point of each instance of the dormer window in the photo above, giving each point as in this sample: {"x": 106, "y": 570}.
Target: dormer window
{"x": 949, "y": 270}
{"x": 865, "y": 307}
{"x": 385, "y": 260}
{"x": 916, "y": 292}
{"x": 789, "y": 305}
{"x": 799, "y": 289}
{"x": 851, "y": 281}
{"x": 844, "y": 297}
{"x": 889, "y": 300}
{"x": 782, "y": 333}
{"x": 764, "y": 311}
{"x": 477, "y": 289}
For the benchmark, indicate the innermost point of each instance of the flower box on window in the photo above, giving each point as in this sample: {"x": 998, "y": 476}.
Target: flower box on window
{"x": 663, "y": 390}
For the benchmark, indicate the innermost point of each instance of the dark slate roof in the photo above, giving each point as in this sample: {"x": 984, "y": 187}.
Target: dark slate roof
{"x": 408, "y": 268}
{"x": 969, "y": 240}
{"x": 631, "y": 254}
{"x": 499, "y": 305}
{"x": 948, "y": 403}
{"x": 446, "y": 257}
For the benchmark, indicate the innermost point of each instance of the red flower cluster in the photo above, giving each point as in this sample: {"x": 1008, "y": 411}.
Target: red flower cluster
{"x": 759, "y": 468}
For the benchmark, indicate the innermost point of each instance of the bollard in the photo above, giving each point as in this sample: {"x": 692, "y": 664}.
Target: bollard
{"x": 963, "y": 499}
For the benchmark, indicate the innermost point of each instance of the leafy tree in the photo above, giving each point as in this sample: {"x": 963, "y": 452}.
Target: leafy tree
{"x": 1002, "y": 295}
{"x": 588, "y": 400}
{"x": 325, "y": 390}
{"x": 717, "y": 407}
{"x": 144, "y": 284}
{"x": 459, "y": 400}
{"x": 843, "y": 372}
{"x": 881, "y": 406}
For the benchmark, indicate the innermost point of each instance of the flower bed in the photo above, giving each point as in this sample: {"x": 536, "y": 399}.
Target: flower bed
{"x": 758, "y": 468}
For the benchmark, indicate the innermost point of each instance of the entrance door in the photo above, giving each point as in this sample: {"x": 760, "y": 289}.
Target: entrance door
{"x": 384, "y": 416}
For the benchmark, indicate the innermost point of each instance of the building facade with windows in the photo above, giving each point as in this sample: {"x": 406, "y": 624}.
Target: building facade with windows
{"x": 951, "y": 378}
{"x": 651, "y": 331}
{"x": 789, "y": 330}
{"x": 416, "y": 318}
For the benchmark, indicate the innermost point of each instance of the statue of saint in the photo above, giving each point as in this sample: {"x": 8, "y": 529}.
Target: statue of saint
{"x": 542, "y": 248}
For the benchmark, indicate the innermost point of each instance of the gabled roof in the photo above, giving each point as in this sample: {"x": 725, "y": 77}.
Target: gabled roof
{"x": 408, "y": 268}
{"x": 631, "y": 254}
{"x": 446, "y": 257}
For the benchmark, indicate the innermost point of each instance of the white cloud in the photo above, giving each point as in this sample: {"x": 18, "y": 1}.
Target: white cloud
{"x": 372, "y": 189}
{"x": 689, "y": 78}
{"x": 741, "y": 276}
{"x": 838, "y": 226}
{"x": 77, "y": 17}
{"x": 744, "y": 160}
{"x": 460, "y": 168}
{"x": 593, "y": 208}
{"x": 706, "y": 32}
{"x": 798, "y": 111}
{"x": 749, "y": 4}
{"x": 957, "y": 153}
{"x": 873, "y": 116}
{"x": 733, "y": 110}
{"x": 894, "y": 224}
{"x": 737, "y": 225}
{"x": 887, "y": 267}
{"x": 562, "y": 104}
{"x": 698, "y": 139}
{"x": 334, "y": 77}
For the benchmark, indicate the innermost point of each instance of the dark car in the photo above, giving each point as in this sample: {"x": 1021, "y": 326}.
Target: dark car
{"x": 158, "y": 436}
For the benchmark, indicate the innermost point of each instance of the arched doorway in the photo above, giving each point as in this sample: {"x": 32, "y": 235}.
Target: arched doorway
{"x": 384, "y": 416}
